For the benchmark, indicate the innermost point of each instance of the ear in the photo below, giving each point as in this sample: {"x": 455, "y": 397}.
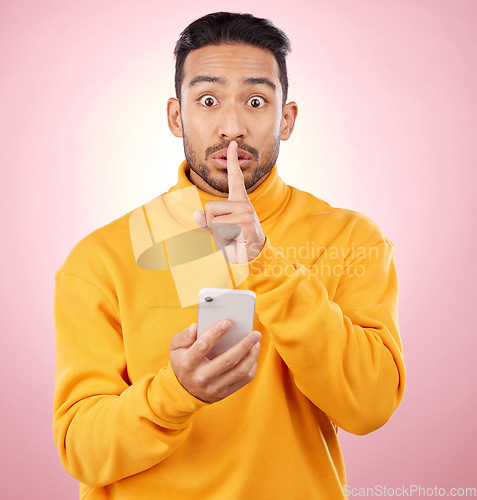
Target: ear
{"x": 290, "y": 111}
{"x": 174, "y": 116}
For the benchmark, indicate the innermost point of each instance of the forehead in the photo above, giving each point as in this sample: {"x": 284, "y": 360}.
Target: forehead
{"x": 232, "y": 62}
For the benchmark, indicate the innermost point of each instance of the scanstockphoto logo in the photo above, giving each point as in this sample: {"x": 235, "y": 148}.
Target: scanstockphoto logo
{"x": 410, "y": 490}
{"x": 165, "y": 237}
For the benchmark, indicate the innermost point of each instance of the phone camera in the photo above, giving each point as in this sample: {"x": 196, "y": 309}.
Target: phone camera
{"x": 208, "y": 299}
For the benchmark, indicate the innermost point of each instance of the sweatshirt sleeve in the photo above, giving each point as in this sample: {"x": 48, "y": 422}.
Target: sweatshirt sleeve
{"x": 105, "y": 428}
{"x": 345, "y": 354}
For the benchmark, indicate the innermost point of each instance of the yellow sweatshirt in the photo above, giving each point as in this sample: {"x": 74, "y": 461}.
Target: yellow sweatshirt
{"x": 330, "y": 357}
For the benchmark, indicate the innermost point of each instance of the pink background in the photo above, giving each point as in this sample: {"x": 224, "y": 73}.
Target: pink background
{"x": 387, "y": 96}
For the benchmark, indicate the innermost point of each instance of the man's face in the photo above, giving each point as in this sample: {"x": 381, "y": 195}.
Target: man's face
{"x": 230, "y": 92}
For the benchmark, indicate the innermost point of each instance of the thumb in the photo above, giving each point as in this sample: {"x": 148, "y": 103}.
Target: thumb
{"x": 185, "y": 338}
{"x": 200, "y": 219}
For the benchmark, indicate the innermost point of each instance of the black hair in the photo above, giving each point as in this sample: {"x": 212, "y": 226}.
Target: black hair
{"x": 228, "y": 27}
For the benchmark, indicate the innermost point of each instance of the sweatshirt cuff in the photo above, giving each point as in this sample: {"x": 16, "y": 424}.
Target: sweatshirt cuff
{"x": 173, "y": 405}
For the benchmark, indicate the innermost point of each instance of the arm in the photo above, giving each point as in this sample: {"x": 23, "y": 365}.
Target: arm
{"x": 345, "y": 354}
{"x": 106, "y": 429}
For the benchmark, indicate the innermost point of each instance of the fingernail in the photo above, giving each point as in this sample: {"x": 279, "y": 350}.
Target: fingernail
{"x": 257, "y": 345}
{"x": 256, "y": 336}
{"x": 224, "y": 325}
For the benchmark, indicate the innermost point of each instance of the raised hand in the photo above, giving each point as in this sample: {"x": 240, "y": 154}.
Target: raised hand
{"x": 233, "y": 222}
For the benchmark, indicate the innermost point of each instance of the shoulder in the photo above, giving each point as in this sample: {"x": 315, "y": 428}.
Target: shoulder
{"x": 100, "y": 251}
{"x": 358, "y": 225}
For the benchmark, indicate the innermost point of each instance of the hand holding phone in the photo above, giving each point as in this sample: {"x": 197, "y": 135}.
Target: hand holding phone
{"x": 213, "y": 379}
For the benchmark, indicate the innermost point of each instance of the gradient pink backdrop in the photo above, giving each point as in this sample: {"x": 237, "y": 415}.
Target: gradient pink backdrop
{"x": 387, "y": 96}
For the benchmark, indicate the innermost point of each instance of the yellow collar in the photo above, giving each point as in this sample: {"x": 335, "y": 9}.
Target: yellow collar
{"x": 268, "y": 200}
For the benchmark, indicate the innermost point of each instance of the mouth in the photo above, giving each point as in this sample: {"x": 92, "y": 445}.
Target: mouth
{"x": 219, "y": 158}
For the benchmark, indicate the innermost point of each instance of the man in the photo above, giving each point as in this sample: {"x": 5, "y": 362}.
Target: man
{"x": 140, "y": 411}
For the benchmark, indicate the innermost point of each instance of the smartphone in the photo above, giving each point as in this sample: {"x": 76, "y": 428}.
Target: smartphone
{"x": 216, "y": 304}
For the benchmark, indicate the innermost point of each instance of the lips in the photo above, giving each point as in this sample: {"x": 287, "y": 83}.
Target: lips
{"x": 222, "y": 155}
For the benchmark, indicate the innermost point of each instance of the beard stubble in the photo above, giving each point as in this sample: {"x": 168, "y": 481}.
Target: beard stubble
{"x": 221, "y": 184}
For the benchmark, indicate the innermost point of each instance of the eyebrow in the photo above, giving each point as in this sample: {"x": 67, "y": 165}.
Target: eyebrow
{"x": 260, "y": 81}
{"x": 222, "y": 81}
{"x": 208, "y": 79}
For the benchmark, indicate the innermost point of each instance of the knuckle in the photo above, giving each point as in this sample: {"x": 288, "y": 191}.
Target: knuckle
{"x": 200, "y": 380}
{"x": 202, "y": 344}
{"x": 214, "y": 391}
{"x": 186, "y": 365}
{"x": 228, "y": 363}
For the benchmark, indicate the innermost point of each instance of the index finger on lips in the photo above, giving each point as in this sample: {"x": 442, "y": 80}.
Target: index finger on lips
{"x": 207, "y": 340}
{"x": 237, "y": 191}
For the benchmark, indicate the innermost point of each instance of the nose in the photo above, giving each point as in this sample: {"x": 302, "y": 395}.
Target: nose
{"x": 232, "y": 123}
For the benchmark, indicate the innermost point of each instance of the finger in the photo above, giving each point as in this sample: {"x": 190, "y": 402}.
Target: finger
{"x": 224, "y": 207}
{"x": 242, "y": 373}
{"x": 206, "y": 341}
{"x": 237, "y": 191}
{"x": 244, "y": 381}
{"x": 226, "y": 228}
{"x": 200, "y": 219}
{"x": 236, "y": 254}
{"x": 185, "y": 338}
{"x": 225, "y": 233}
{"x": 233, "y": 356}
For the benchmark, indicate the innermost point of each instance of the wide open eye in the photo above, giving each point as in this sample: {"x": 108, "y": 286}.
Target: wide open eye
{"x": 256, "y": 102}
{"x": 208, "y": 101}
